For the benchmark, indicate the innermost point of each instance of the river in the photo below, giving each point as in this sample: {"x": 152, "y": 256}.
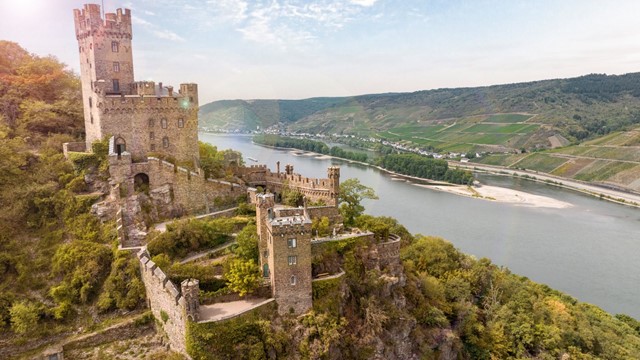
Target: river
{"x": 589, "y": 250}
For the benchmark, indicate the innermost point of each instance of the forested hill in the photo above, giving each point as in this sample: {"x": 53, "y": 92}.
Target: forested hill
{"x": 576, "y": 108}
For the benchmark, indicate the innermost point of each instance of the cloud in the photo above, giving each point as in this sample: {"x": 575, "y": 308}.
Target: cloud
{"x": 294, "y": 22}
{"x": 155, "y": 30}
{"x": 168, "y": 35}
{"x": 365, "y": 3}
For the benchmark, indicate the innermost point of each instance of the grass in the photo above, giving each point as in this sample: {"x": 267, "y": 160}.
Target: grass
{"x": 602, "y": 170}
{"x": 507, "y": 118}
{"x": 540, "y": 162}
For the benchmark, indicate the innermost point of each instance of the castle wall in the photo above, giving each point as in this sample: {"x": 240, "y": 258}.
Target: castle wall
{"x": 164, "y": 299}
{"x": 157, "y": 125}
{"x": 314, "y": 189}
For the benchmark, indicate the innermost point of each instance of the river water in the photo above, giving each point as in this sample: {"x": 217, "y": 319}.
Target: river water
{"x": 589, "y": 250}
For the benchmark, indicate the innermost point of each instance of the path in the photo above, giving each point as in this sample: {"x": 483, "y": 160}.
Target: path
{"x": 228, "y": 310}
{"x": 207, "y": 252}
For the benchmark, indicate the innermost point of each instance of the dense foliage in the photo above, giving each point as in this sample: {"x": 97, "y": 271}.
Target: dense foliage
{"x": 56, "y": 258}
{"x": 425, "y": 167}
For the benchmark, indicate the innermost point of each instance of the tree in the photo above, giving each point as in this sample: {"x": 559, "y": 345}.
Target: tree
{"x": 243, "y": 276}
{"x": 248, "y": 243}
{"x": 352, "y": 192}
{"x": 321, "y": 226}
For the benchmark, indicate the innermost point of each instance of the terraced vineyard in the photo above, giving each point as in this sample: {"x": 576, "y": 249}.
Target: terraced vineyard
{"x": 613, "y": 159}
{"x": 497, "y": 132}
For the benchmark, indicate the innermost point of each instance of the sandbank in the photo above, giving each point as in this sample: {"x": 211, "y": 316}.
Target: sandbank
{"x": 504, "y": 195}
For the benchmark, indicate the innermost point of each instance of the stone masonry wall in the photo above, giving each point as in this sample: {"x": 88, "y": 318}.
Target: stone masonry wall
{"x": 166, "y": 301}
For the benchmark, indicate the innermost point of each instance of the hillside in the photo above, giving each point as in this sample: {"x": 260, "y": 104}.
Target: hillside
{"x": 540, "y": 114}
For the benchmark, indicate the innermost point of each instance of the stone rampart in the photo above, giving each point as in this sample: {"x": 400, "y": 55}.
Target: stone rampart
{"x": 165, "y": 301}
{"x": 389, "y": 252}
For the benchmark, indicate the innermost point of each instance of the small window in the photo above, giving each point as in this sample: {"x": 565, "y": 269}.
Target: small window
{"x": 116, "y": 66}
{"x": 293, "y": 279}
{"x": 92, "y": 118}
{"x": 152, "y": 136}
{"x": 291, "y": 243}
{"x": 90, "y": 102}
{"x": 165, "y": 142}
{"x": 116, "y": 85}
{"x": 115, "y": 46}
{"x": 293, "y": 260}
{"x": 152, "y": 123}
{"x": 180, "y": 123}
{"x": 153, "y": 147}
{"x": 91, "y": 46}
{"x": 163, "y": 123}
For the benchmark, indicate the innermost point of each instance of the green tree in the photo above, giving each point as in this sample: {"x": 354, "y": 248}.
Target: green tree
{"x": 248, "y": 243}
{"x": 24, "y": 317}
{"x": 352, "y": 192}
{"x": 243, "y": 276}
{"x": 320, "y": 226}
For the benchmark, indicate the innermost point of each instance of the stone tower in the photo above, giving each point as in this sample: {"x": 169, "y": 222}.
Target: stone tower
{"x": 333, "y": 174}
{"x": 288, "y": 255}
{"x": 106, "y": 56}
{"x": 143, "y": 117}
{"x": 191, "y": 293}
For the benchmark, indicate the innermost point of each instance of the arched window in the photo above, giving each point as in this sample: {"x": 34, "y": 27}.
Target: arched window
{"x": 163, "y": 123}
{"x": 152, "y": 123}
{"x": 165, "y": 142}
{"x": 180, "y": 123}
{"x": 293, "y": 279}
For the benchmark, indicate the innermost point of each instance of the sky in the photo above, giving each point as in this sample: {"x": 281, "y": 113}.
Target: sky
{"x": 294, "y": 49}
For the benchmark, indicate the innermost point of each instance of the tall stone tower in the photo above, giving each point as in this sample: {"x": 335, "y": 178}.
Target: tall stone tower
{"x": 289, "y": 256}
{"x": 106, "y": 56}
{"x": 333, "y": 173}
{"x": 143, "y": 117}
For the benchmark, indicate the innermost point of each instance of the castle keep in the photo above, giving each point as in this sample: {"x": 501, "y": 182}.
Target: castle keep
{"x": 143, "y": 117}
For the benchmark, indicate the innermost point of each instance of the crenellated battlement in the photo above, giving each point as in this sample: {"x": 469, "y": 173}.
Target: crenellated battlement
{"x": 89, "y": 21}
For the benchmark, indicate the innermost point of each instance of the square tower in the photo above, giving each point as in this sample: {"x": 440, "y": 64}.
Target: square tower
{"x": 106, "y": 55}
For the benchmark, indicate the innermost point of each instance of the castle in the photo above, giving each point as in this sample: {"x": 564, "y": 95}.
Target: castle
{"x": 153, "y": 149}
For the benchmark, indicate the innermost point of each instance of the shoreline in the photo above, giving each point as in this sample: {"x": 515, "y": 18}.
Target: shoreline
{"x": 484, "y": 192}
{"x": 611, "y": 195}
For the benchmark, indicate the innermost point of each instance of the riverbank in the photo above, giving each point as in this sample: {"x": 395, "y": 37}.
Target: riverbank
{"x": 618, "y": 197}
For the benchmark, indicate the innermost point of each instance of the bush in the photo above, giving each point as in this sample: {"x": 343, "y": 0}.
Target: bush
{"x": 24, "y": 317}
{"x": 191, "y": 235}
{"x": 123, "y": 288}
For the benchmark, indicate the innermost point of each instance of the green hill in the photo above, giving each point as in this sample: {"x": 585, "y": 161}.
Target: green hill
{"x": 540, "y": 114}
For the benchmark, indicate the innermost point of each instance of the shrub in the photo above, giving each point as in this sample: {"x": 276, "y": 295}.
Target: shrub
{"x": 24, "y": 317}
